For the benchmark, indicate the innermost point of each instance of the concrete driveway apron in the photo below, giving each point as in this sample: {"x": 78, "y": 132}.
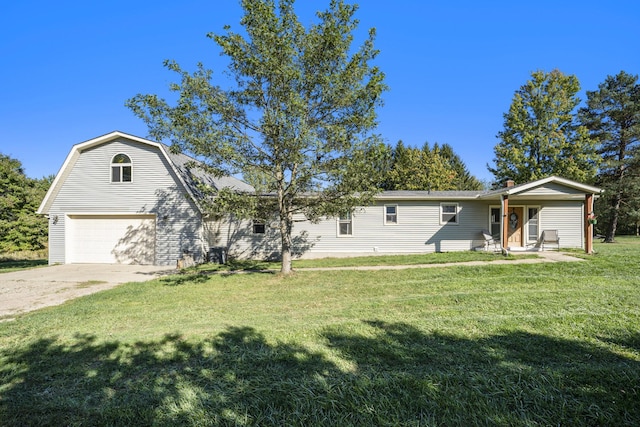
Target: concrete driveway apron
{"x": 27, "y": 290}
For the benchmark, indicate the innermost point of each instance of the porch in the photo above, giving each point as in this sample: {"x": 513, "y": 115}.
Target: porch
{"x": 517, "y": 225}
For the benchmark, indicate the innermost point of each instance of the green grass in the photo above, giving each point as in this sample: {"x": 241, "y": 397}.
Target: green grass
{"x": 23, "y": 260}
{"x": 380, "y": 260}
{"x": 523, "y": 345}
{"x": 413, "y": 259}
{"x": 8, "y": 265}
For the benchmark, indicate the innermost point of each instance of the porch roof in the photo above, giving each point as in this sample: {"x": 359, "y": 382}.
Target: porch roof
{"x": 550, "y": 188}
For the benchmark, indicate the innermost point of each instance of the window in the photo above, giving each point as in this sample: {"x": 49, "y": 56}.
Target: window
{"x": 391, "y": 214}
{"x": 532, "y": 227}
{"x": 121, "y": 168}
{"x": 495, "y": 222}
{"x": 345, "y": 225}
{"x": 258, "y": 227}
{"x": 449, "y": 213}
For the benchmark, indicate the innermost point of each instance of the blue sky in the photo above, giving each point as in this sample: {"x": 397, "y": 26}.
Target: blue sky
{"x": 452, "y": 66}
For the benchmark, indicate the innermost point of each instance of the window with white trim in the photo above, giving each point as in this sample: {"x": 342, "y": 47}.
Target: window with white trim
{"x": 448, "y": 213}
{"x": 345, "y": 224}
{"x": 391, "y": 214}
{"x": 532, "y": 224}
{"x": 121, "y": 170}
{"x": 495, "y": 222}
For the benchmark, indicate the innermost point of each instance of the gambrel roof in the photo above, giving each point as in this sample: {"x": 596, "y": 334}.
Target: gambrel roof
{"x": 184, "y": 167}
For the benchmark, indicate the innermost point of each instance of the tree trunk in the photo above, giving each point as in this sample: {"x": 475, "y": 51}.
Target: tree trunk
{"x": 285, "y": 233}
{"x": 613, "y": 223}
{"x": 286, "y": 222}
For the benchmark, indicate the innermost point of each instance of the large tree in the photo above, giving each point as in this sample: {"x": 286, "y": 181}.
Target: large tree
{"x": 418, "y": 169}
{"x": 300, "y": 115}
{"x": 612, "y": 115}
{"x": 463, "y": 180}
{"x": 20, "y": 228}
{"x": 542, "y": 136}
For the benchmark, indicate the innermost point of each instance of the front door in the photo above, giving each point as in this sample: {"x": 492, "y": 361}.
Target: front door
{"x": 515, "y": 228}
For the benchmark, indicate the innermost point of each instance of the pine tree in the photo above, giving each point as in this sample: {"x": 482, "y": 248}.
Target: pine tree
{"x": 419, "y": 169}
{"x": 541, "y": 135}
{"x": 21, "y": 229}
{"x": 612, "y": 115}
{"x": 464, "y": 180}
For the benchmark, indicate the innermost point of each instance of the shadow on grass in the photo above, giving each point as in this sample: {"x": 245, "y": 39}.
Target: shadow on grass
{"x": 188, "y": 278}
{"x": 393, "y": 375}
{"x": 183, "y": 279}
{"x": 9, "y": 264}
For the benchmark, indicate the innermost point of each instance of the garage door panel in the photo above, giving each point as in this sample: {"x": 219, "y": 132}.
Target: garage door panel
{"x": 123, "y": 239}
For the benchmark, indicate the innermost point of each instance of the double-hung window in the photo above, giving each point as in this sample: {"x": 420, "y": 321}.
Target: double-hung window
{"x": 532, "y": 224}
{"x": 495, "y": 222}
{"x": 345, "y": 224}
{"x": 121, "y": 168}
{"x": 391, "y": 214}
{"x": 449, "y": 213}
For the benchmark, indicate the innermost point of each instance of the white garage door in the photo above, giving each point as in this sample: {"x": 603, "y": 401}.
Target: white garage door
{"x": 111, "y": 239}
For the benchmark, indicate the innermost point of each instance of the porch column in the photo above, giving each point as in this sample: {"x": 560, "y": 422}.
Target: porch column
{"x": 588, "y": 228}
{"x": 504, "y": 235}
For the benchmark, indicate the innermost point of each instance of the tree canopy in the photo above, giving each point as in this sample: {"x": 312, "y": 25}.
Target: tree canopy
{"x": 463, "y": 180}
{"x": 20, "y": 228}
{"x": 436, "y": 168}
{"x": 300, "y": 117}
{"x": 612, "y": 115}
{"x": 542, "y": 136}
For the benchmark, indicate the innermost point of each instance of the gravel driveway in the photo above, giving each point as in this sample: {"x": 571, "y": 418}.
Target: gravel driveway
{"x": 27, "y": 290}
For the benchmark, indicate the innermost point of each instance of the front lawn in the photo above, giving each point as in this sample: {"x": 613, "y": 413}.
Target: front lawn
{"x": 360, "y": 261}
{"x": 540, "y": 344}
{"x": 22, "y": 260}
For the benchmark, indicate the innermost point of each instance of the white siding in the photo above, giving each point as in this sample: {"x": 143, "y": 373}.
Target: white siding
{"x": 549, "y": 190}
{"x": 418, "y": 230}
{"x": 155, "y": 189}
{"x": 56, "y": 236}
{"x": 567, "y": 218}
{"x": 237, "y": 238}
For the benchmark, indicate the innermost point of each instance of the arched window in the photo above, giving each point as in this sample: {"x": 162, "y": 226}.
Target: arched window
{"x": 121, "y": 168}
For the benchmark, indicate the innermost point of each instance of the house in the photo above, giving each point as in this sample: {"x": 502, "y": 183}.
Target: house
{"x": 119, "y": 198}
{"x": 124, "y": 199}
{"x": 403, "y": 222}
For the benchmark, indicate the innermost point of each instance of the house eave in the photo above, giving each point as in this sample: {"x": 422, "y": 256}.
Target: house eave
{"x": 426, "y": 195}
{"x": 523, "y": 188}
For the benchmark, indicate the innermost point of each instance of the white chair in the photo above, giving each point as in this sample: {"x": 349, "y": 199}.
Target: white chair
{"x": 550, "y": 236}
{"x": 489, "y": 240}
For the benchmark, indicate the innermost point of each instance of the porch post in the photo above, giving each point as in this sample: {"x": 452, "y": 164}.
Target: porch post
{"x": 504, "y": 235}
{"x": 588, "y": 228}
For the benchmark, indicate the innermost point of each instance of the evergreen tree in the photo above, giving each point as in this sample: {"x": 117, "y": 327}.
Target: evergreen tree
{"x": 612, "y": 115}
{"x": 419, "y": 169}
{"x": 541, "y": 135}
{"x": 301, "y": 114}
{"x": 464, "y": 180}
{"x": 21, "y": 229}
